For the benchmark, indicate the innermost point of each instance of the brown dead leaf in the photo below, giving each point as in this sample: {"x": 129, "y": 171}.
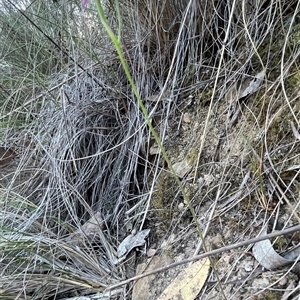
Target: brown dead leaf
{"x": 189, "y": 282}
{"x": 145, "y": 287}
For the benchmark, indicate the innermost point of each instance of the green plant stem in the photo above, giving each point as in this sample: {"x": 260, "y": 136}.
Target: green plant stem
{"x": 117, "y": 42}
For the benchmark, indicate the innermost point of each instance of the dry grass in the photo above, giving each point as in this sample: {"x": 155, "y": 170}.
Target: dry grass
{"x": 83, "y": 143}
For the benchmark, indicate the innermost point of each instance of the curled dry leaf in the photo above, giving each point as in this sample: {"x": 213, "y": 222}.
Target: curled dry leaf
{"x": 239, "y": 91}
{"x": 132, "y": 241}
{"x": 252, "y": 86}
{"x": 189, "y": 282}
{"x": 266, "y": 255}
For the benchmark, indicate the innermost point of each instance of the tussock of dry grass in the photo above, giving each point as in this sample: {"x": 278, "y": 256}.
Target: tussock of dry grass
{"x": 84, "y": 146}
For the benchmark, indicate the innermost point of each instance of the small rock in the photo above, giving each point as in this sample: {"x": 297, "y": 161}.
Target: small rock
{"x": 186, "y": 118}
{"x": 141, "y": 288}
{"x": 201, "y": 181}
{"x": 197, "y": 126}
{"x": 151, "y": 252}
{"x": 283, "y": 281}
{"x": 181, "y": 206}
{"x": 260, "y": 283}
{"x": 216, "y": 241}
{"x": 248, "y": 266}
{"x": 182, "y": 168}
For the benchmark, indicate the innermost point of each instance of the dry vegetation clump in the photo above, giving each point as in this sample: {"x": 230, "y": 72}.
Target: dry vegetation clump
{"x": 86, "y": 174}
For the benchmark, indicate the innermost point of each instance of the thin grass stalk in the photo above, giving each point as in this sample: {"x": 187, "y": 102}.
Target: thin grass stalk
{"x": 117, "y": 42}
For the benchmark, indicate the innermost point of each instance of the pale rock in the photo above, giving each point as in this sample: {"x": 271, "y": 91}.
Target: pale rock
{"x": 151, "y": 252}
{"x": 182, "y": 168}
{"x": 181, "y": 206}
{"x": 186, "y": 118}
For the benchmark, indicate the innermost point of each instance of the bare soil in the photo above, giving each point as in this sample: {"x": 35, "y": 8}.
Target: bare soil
{"x": 230, "y": 192}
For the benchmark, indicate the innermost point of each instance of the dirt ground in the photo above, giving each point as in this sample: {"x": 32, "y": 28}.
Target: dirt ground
{"x": 232, "y": 194}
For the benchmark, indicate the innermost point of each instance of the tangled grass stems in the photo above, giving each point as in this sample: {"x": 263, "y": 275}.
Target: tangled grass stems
{"x": 117, "y": 44}
{"x": 92, "y": 148}
{"x": 84, "y": 149}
